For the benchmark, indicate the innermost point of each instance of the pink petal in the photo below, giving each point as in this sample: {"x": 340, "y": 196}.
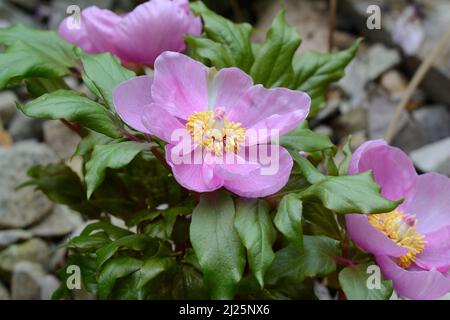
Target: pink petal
{"x": 154, "y": 27}
{"x": 278, "y": 109}
{"x": 429, "y": 201}
{"x": 161, "y": 123}
{"x": 180, "y": 84}
{"x": 256, "y": 184}
{"x": 236, "y": 167}
{"x": 132, "y": 99}
{"x": 197, "y": 177}
{"x": 228, "y": 85}
{"x": 370, "y": 239}
{"x": 417, "y": 285}
{"x": 437, "y": 251}
{"x": 391, "y": 167}
{"x": 76, "y": 35}
{"x": 96, "y": 33}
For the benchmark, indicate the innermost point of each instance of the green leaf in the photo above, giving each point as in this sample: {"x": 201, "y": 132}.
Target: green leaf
{"x": 86, "y": 263}
{"x": 89, "y": 141}
{"x": 315, "y": 71}
{"x": 354, "y": 283}
{"x": 136, "y": 242}
{"x": 188, "y": 284}
{"x": 319, "y": 220}
{"x": 89, "y": 243}
{"x": 316, "y": 260}
{"x": 233, "y": 37}
{"x": 308, "y": 170}
{"x": 216, "y": 244}
{"x": 39, "y": 86}
{"x": 302, "y": 139}
{"x": 257, "y": 233}
{"x": 113, "y": 231}
{"x": 72, "y": 106}
{"x": 347, "y": 150}
{"x": 151, "y": 268}
{"x": 104, "y": 73}
{"x": 288, "y": 219}
{"x": 350, "y": 194}
{"x": 329, "y": 164}
{"x": 216, "y": 53}
{"x": 114, "y": 269}
{"x": 115, "y": 156}
{"x": 33, "y": 53}
{"x": 273, "y": 64}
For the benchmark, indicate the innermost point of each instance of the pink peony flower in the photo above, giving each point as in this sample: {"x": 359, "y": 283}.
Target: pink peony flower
{"x": 218, "y": 111}
{"x": 412, "y": 243}
{"x": 139, "y": 36}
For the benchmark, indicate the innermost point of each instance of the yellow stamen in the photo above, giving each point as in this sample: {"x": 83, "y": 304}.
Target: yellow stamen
{"x": 215, "y": 132}
{"x": 400, "y": 228}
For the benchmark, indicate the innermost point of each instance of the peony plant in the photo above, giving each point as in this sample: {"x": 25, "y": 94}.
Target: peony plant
{"x": 198, "y": 141}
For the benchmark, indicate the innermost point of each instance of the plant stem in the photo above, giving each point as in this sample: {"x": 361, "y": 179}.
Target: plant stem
{"x": 72, "y": 127}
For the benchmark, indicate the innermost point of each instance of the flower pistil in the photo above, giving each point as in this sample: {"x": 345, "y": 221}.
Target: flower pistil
{"x": 215, "y": 132}
{"x": 401, "y": 228}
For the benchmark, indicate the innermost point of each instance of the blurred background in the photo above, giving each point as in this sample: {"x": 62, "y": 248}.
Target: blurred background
{"x": 362, "y": 104}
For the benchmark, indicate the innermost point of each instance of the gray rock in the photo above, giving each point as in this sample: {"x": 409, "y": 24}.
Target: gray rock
{"x": 25, "y": 128}
{"x": 8, "y": 237}
{"x": 433, "y": 157}
{"x": 23, "y": 207}
{"x": 424, "y": 126}
{"x": 48, "y": 285}
{"x": 4, "y": 294}
{"x": 58, "y": 258}
{"x": 7, "y": 106}
{"x": 60, "y": 138}
{"x": 34, "y": 250}
{"x": 434, "y": 121}
{"x": 380, "y": 110}
{"x": 59, "y": 222}
{"x": 368, "y": 66}
{"x": 26, "y": 281}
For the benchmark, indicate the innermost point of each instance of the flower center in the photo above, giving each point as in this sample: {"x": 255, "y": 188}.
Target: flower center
{"x": 401, "y": 228}
{"x": 215, "y": 132}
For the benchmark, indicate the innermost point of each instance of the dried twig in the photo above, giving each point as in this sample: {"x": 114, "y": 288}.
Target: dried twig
{"x": 332, "y": 24}
{"x": 415, "y": 81}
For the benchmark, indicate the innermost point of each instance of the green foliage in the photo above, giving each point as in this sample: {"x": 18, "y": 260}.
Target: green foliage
{"x": 347, "y": 194}
{"x": 72, "y": 106}
{"x": 315, "y": 71}
{"x": 273, "y": 63}
{"x": 115, "y": 156}
{"x": 347, "y": 150}
{"x": 354, "y": 282}
{"x": 292, "y": 265}
{"x": 288, "y": 220}
{"x": 217, "y": 245}
{"x": 102, "y": 73}
{"x": 226, "y": 37}
{"x": 33, "y": 53}
{"x": 254, "y": 226}
{"x": 304, "y": 139}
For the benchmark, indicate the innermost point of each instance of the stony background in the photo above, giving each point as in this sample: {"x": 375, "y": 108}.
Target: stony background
{"x": 362, "y": 104}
